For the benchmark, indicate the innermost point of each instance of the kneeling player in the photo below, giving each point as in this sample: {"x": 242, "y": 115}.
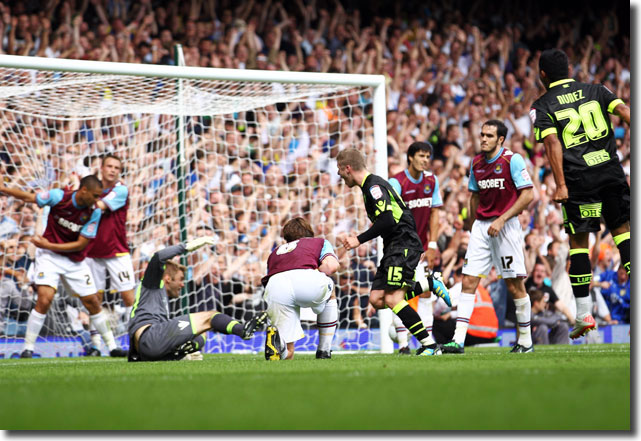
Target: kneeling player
{"x": 152, "y": 335}
{"x": 298, "y": 277}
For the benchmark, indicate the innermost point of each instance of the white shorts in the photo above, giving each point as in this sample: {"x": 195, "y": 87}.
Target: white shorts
{"x": 288, "y": 291}
{"x": 505, "y": 251}
{"x": 120, "y": 269}
{"x": 51, "y": 267}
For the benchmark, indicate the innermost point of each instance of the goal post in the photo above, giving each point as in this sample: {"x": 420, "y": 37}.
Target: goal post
{"x": 257, "y": 147}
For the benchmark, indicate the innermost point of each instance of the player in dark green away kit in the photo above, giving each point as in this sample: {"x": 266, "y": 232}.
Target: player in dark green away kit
{"x": 572, "y": 120}
{"x": 394, "y": 282}
{"x": 153, "y": 336}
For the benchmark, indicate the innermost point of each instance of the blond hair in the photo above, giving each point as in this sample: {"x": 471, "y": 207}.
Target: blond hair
{"x": 172, "y": 267}
{"x": 351, "y": 157}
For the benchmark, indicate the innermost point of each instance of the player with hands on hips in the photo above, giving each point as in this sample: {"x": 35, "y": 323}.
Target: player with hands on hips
{"x": 500, "y": 189}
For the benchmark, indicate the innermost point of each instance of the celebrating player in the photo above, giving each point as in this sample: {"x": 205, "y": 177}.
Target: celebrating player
{"x": 392, "y": 220}
{"x": 420, "y": 191}
{"x": 71, "y": 225}
{"x": 153, "y": 335}
{"x": 109, "y": 251}
{"x": 572, "y": 120}
{"x": 298, "y": 276}
{"x": 501, "y": 188}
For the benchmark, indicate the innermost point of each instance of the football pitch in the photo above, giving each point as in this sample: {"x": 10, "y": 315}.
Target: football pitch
{"x": 565, "y": 387}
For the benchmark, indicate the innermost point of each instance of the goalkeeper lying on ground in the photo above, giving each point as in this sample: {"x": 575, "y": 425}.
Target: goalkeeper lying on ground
{"x": 153, "y": 336}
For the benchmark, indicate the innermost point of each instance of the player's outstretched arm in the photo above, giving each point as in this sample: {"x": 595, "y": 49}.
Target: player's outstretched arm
{"x": 17, "y": 193}
{"x": 383, "y": 223}
{"x": 167, "y": 253}
{"x": 155, "y": 269}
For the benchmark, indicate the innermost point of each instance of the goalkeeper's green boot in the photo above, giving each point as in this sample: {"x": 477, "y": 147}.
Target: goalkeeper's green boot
{"x": 452, "y": 347}
{"x": 253, "y": 324}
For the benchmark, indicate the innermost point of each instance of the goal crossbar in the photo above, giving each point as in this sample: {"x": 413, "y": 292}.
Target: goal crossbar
{"x": 188, "y": 72}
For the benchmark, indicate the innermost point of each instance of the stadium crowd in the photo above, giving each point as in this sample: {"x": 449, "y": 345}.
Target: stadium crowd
{"x": 449, "y": 66}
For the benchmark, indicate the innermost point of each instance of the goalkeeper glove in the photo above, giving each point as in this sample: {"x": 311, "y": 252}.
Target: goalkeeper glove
{"x": 197, "y": 243}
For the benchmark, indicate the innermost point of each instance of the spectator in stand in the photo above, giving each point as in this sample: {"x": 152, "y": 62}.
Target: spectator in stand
{"x": 548, "y": 326}
{"x": 8, "y": 226}
{"x": 16, "y": 296}
{"x": 615, "y": 288}
{"x": 541, "y": 281}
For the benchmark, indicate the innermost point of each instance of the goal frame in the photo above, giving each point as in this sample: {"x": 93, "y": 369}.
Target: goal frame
{"x": 376, "y": 82}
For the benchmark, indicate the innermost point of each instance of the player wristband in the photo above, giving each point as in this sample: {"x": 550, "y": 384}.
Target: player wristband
{"x": 432, "y": 245}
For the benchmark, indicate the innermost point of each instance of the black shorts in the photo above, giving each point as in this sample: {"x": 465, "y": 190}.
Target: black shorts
{"x": 397, "y": 269}
{"x": 583, "y": 211}
{"x": 161, "y": 341}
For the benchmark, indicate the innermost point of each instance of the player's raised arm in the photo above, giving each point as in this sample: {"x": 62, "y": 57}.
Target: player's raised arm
{"x": 156, "y": 267}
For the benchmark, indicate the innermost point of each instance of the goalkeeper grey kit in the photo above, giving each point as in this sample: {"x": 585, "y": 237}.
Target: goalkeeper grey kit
{"x": 151, "y": 307}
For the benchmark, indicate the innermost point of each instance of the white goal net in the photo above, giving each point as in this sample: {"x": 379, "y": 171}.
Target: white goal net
{"x": 202, "y": 156}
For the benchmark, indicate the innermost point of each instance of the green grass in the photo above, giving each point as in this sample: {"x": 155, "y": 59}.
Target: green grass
{"x": 581, "y": 387}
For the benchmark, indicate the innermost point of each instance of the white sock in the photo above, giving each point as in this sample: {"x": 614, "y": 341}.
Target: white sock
{"x": 425, "y": 284}
{"x": 34, "y": 325}
{"x": 402, "y": 334}
{"x": 583, "y": 307}
{"x": 465, "y": 309}
{"x": 95, "y": 337}
{"x": 427, "y": 316}
{"x": 523, "y": 314}
{"x": 102, "y": 326}
{"x": 327, "y": 321}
